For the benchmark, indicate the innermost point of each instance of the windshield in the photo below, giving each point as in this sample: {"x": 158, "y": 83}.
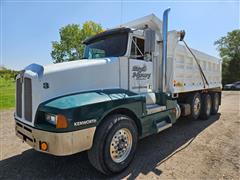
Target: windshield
{"x": 107, "y": 46}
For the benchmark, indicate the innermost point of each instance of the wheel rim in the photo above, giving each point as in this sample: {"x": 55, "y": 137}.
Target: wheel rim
{"x": 208, "y": 105}
{"x": 121, "y": 145}
{"x": 196, "y": 106}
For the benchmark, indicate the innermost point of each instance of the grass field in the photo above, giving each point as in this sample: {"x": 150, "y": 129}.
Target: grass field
{"x": 7, "y": 93}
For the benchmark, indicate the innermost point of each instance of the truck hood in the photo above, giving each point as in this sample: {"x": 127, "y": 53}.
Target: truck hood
{"x": 72, "y": 77}
{"x": 71, "y": 65}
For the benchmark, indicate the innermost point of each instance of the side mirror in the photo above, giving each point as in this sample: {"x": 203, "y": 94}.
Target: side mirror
{"x": 149, "y": 41}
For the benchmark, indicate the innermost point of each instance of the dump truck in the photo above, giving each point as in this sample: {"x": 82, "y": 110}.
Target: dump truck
{"x": 135, "y": 80}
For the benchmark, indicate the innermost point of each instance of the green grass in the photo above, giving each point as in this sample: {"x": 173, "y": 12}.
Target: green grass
{"x": 7, "y": 93}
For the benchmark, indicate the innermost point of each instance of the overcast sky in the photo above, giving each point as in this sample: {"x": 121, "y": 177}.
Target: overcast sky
{"x": 27, "y": 28}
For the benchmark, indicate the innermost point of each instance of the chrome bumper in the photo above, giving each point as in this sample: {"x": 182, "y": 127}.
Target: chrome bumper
{"x": 59, "y": 144}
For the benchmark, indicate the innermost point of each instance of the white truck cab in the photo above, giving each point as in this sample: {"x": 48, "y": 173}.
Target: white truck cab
{"x": 135, "y": 80}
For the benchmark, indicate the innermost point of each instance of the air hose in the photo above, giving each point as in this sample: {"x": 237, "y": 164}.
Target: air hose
{"x": 204, "y": 79}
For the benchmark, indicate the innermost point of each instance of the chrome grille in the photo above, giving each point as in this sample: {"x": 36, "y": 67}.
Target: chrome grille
{"x": 19, "y": 98}
{"x": 28, "y": 99}
{"x": 24, "y": 99}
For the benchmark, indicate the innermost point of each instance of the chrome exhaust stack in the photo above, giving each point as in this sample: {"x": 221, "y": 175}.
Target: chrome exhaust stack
{"x": 164, "y": 50}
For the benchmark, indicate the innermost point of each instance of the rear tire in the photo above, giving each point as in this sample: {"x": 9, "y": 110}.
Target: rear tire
{"x": 195, "y": 103}
{"x": 206, "y": 107}
{"x": 215, "y": 103}
{"x": 114, "y": 144}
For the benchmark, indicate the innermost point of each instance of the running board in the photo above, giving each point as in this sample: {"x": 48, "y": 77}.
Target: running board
{"x": 162, "y": 126}
{"x": 154, "y": 108}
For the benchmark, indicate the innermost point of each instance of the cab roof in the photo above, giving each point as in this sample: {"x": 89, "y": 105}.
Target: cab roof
{"x": 107, "y": 33}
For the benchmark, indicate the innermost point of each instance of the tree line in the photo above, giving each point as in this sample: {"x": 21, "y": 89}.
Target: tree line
{"x": 8, "y": 74}
{"x": 229, "y": 49}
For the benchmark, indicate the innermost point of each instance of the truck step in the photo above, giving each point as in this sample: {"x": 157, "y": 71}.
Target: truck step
{"x": 154, "y": 108}
{"x": 163, "y": 125}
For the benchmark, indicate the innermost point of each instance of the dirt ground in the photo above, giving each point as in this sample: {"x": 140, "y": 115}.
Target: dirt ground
{"x": 189, "y": 150}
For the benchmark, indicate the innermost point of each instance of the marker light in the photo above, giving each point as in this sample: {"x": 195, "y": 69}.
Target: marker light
{"x": 61, "y": 121}
{"x": 43, "y": 146}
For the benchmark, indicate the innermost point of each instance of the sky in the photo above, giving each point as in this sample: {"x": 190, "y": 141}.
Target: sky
{"x": 29, "y": 27}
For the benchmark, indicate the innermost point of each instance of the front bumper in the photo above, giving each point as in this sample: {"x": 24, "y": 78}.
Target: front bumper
{"x": 59, "y": 144}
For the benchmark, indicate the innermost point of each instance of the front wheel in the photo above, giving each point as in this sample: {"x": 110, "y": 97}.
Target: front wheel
{"x": 114, "y": 144}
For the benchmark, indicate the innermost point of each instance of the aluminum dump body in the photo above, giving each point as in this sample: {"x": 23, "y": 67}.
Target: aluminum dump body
{"x": 183, "y": 73}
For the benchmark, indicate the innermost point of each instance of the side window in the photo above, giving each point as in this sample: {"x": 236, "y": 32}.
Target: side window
{"x": 137, "y": 48}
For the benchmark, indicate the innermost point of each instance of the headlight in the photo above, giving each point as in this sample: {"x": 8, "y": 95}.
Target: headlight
{"x": 60, "y": 121}
{"x": 51, "y": 118}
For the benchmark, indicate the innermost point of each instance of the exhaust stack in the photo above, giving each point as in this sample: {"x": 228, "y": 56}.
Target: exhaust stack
{"x": 164, "y": 49}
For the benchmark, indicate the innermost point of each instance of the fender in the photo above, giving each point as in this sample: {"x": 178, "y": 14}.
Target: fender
{"x": 87, "y": 109}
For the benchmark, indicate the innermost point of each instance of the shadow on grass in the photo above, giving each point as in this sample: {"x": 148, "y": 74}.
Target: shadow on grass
{"x": 151, "y": 152}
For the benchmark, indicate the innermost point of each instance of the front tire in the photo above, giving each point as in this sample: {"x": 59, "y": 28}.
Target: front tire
{"x": 206, "y": 106}
{"x": 114, "y": 144}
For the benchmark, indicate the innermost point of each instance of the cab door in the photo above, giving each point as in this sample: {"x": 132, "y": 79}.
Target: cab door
{"x": 140, "y": 68}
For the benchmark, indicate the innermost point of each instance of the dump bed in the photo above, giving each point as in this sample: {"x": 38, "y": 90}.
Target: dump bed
{"x": 183, "y": 73}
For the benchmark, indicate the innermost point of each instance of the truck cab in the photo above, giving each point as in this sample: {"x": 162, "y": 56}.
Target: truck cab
{"x": 124, "y": 89}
